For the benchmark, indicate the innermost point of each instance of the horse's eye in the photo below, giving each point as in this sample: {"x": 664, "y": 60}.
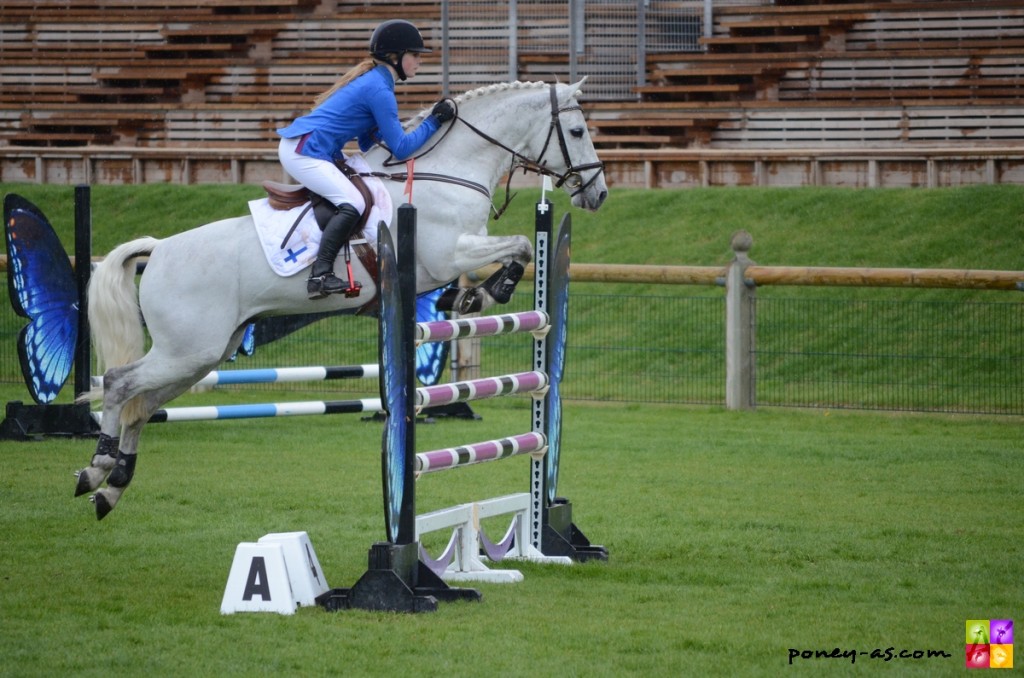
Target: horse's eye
{"x": 577, "y": 132}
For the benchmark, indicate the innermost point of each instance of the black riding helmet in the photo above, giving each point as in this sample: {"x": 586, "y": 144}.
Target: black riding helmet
{"x": 396, "y": 37}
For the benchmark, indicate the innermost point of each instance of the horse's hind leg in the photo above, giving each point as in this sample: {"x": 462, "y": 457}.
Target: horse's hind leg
{"x": 125, "y": 451}
{"x": 123, "y": 469}
{"x": 103, "y": 460}
{"x": 105, "y": 457}
{"x": 121, "y": 473}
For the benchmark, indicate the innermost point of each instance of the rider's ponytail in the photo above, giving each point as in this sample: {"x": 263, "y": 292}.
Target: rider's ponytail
{"x": 359, "y": 69}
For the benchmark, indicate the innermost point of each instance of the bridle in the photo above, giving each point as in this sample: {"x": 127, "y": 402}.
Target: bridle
{"x": 572, "y": 177}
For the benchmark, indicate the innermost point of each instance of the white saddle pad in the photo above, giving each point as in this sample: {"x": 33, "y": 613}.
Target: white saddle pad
{"x": 273, "y": 225}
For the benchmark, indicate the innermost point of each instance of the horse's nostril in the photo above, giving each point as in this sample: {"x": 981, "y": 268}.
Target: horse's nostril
{"x": 600, "y": 197}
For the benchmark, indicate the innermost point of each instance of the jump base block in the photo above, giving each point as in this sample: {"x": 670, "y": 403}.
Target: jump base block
{"x": 395, "y": 581}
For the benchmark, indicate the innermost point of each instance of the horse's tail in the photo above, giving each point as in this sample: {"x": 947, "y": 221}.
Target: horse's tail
{"x": 114, "y": 317}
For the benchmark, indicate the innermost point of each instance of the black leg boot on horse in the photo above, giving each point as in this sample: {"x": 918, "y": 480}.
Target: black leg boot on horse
{"x": 338, "y": 230}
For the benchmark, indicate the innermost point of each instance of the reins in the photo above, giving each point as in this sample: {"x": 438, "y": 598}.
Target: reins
{"x": 571, "y": 177}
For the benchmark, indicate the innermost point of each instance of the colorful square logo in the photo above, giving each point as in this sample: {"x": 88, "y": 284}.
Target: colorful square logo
{"x": 1001, "y": 631}
{"x": 977, "y": 631}
{"x": 1000, "y": 656}
{"x": 989, "y": 644}
{"x": 977, "y": 656}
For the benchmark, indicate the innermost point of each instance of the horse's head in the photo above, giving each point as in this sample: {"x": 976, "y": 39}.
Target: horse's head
{"x": 568, "y": 152}
{"x": 532, "y": 126}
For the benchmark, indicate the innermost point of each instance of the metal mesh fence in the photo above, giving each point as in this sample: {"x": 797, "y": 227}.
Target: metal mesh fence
{"x": 837, "y": 351}
{"x": 478, "y": 45}
{"x": 673, "y": 26}
{"x": 605, "y": 40}
{"x": 633, "y": 349}
{"x": 886, "y": 354}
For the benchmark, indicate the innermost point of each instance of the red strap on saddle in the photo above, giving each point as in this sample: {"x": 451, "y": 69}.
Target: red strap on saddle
{"x": 408, "y": 178}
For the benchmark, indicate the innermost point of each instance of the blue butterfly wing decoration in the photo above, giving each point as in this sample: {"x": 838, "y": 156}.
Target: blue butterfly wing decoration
{"x": 393, "y": 362}
{"x": 248, "y": 345}
{"x": 431, "y": 356}
{"x": 558, "y": 300}
{"x": 42, "y": 288}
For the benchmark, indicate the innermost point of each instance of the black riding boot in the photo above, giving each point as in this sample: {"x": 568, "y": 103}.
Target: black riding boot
{"x": 337, "y": 232}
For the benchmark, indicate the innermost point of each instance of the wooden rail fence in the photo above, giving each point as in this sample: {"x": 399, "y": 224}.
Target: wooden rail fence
{"x": 741, "y": 278}
{"x": 925, "y": 167}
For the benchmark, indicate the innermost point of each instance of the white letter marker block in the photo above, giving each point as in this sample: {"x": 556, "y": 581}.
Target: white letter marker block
{"x": 307, "y": 579}
{"x": 258, "y": 581}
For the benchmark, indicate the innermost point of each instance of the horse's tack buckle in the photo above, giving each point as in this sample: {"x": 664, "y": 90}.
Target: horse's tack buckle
{"x": 354, "y": 286}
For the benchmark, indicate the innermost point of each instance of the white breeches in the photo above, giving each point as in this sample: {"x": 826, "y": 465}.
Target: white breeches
{"x": 319, "y": 176}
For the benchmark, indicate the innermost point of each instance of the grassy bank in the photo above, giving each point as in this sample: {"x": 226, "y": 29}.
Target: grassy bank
{"x": 970, "y": 227}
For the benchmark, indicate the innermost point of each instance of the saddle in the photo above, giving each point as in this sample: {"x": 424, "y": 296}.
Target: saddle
{"x": 281, "y": 196}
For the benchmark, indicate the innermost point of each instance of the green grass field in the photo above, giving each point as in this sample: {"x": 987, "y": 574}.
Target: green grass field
{"x": 735, "y": 537}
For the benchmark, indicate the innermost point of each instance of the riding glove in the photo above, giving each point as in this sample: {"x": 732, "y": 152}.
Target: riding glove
{"x": 443, "y": 111}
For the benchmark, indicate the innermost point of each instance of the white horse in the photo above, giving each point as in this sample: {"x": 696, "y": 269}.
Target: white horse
{"x": 202, "y": 287}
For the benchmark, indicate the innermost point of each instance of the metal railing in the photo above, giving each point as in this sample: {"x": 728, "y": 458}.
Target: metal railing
{"x": 605, "y": 40}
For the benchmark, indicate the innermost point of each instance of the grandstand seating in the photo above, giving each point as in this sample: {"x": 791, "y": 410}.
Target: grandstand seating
{"x": 170, "y": 73}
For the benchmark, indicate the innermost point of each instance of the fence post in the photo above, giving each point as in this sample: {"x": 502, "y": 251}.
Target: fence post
{"x": 739, "y": 328}
{"x": 641, "y": 44}
{"x": 446, "y": 61}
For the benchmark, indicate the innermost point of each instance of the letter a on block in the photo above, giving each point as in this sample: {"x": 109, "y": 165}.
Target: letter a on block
{"x": 257, "y": 584}
{"x": 304, "y": 571}
{"x": 258, "y": 581}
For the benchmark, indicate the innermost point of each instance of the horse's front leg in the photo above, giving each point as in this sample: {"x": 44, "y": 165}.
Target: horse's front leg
{"x": 472, "y": 252}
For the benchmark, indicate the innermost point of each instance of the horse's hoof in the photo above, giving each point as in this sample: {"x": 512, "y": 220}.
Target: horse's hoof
{"x": 88, "y": 480}
{"x": 83, "y": 485}
{"x": 471, "y": 302}
{"x": 103, "y": 507}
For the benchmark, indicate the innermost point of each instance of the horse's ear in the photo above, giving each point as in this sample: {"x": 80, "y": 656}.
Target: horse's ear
{"x": 574, "y": 89}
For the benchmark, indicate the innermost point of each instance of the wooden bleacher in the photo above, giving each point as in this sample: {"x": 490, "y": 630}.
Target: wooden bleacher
{"x": 837, "y": 71}
{"x": 796, "y": 74}
{"x": 74, "y": 70}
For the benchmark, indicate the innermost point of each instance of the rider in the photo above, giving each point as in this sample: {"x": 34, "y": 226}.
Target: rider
{"x": 360, "y": 106}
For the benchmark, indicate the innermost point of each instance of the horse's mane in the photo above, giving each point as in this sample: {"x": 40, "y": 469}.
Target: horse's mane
{"x": 480, "y": 92}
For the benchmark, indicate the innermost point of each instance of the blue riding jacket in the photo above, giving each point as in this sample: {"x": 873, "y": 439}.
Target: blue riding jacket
{"x": 364, "y": 109}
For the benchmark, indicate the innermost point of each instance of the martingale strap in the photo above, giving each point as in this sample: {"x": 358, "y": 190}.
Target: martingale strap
{"x": 431, "y": 176}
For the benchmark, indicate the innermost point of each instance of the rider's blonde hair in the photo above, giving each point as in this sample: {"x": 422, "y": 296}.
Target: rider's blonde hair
{"x": 361, "y": 68}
